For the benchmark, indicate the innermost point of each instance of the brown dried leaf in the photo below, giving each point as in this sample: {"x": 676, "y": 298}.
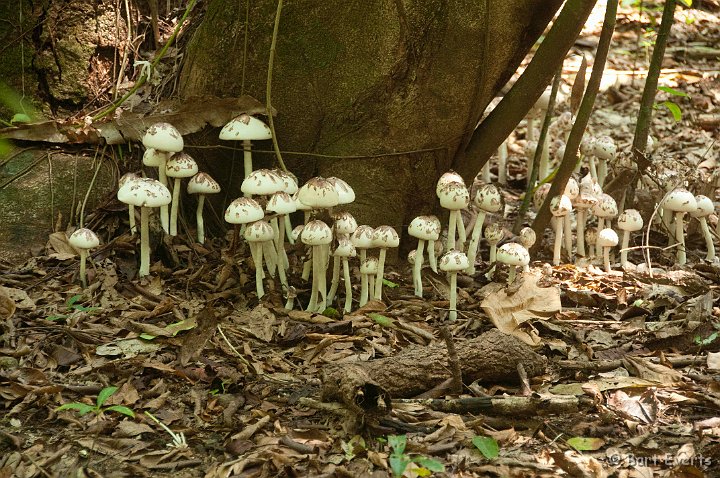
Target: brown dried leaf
{"x": 194, "y": 343}
{"x": 578, "y": 88}
{"x": 7, "y": 305}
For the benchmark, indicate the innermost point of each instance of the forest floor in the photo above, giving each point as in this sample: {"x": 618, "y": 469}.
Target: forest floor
{"x": 631, "y": 387}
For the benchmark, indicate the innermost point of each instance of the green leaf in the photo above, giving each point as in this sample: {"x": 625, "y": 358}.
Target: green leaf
{"x": 82, "y": 408}
{"x": 331, "y": 313}
{"x": 674, "y": 109}
{"x": 120, "y": 409}
{"x": 488, "y": 446}
{"x": 687, "y": 3}
{"x": 398, "y": 463}
{"x": 586, "y": 444}
{"x": 53, "y": 318}
{"x": 181, "y": 326}
{"x": 706, "y": 341}
{"x": 432, "y": 465}
{"x": 673, "y": 91}
{"x": 383, "y": 321}
{"x": 73, "y": 300}
{"x": 105, "y": 394}
{"x": 420, "y": 471}
{"x": 20, "y": 118}
{"x": 389, "y": 283}
{"x": 147, "y": 336}
{"x": 397, "y": 443}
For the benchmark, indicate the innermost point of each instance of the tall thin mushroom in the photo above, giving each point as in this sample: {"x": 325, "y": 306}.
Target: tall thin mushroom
{"x": 246, "y": 128}
{"x": 453, "y": 262}
{"x": 201, "y": 184}
{"x": 179, "y": 166}
{"x": 384, "y": 237}
{"x": 705, "y": 207}
{"x": 164, "y": 139}
{"x": 83, "y": 240}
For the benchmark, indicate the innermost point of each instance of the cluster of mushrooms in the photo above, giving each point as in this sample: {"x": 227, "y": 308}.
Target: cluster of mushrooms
{"x": 262, "y": 215}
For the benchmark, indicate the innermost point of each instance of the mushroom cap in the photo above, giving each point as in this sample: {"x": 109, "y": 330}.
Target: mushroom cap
{"x": 345, "y": 249}
{"x": 289, "y": 180}
{"x": 606, "y": 207}
{"x": 454, "y": 196}
{"x": 453, "y": 261}
{"x": 494, "y": 233}
{"x": 163, "y": 137}
{"x": 318, "y": 193}
{"x": 572, "y": 189}
{"x": 679, "y": 200}
{"x": 527, "y": 237}
{"x": 316, "y": 233}
{"x": 299, "y": 205}
{"x": 585, "y": 201}
{"x": 424, "y": 228}
{"x": 83, "y": 238}
{"x": 411, "y": 256}
{"x": 245, "y": 127}
{"x": 385, "y": 237}
{"x": 297, "y": 230}
{"x": 540, "y": 194}
{"x": 344, "y": 223}
{"x": 513, "y": 254}
{"x": 243, "y": 210}
{"x": 542, "y": 102}
{"x": 587, "y": 146}
{"x": 362, "y": 238}
{"x": 202, "y": 183}
{"x": 281, "y": 203}
{"x": 181, "y": 165}
{"x": 145, "y": 192}
{"x": 346, "y": 194}
{"x": 607, "y": 238}
{"x": 369, "y": 266}
{"x": 630, "y": 220}
{"x": 262, "y": 182}
{"x": 154, "y": 158}
{"x": 488, "y": 198}
{"x": 448, "y": 177}
{"x": 591, "y": 235}
{"x": 605, "y": 148}
{"x": 259, "y": 231}
{"x": 589, "y": 185}
{"x": 560, "y": 206}
{"x": 705, "y": 206}
{"x": 127, "y": 177}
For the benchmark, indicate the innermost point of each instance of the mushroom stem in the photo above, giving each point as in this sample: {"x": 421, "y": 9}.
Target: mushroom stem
{"x": 486, "y": 172}
{"x": 475, "y": 241}
{"x": 281, "y": 243}
{"x": 144, "y": 243}
{"x": 417, "y": 268}
{"x": 348, "y": 285}
{"x": 623, "y": 249}
{"x": 288, "y": 229}
{"x": 431, "y": 255}
{"x": 453, "y": 296}
{"x": 544, "y": 168}
{"x": 174, "y": 210}
{"x": 502, "y": 163}
{"x": 462, "y": 235}
{"x": 322, "y": 280}
{"x": 164, "y": 216}
{"x": 256, "y": 252}
{"x": 131, "y": 219}
{"x": 306, "y": 266}
{"x": 580, "y": 226}
{"x": 363, "y": 289}
{"x": 199, "y": 219}
{"x": 530, "y": 133}
{"x": 708, "y": 239}
{"x": 511, "y": 274}
{"x": 680, "y": 236}
{"x": 567, "y": 233}
{"x": 371, "y": 285}
{"x": 271, "y": 258}
{"x": 601, "y": 223}
{"x": 247, "y": 159}
{"x": 312, "y": 305}
{"x": 335, "y": 279}
{"x": 593, "y": 167}
{"x": 379, "y": 276}
{"x": 606, "y": 258}
{"x": 451, "y": 230}
{"x": 557, "y": 227}
{"x": 83, "y": 258}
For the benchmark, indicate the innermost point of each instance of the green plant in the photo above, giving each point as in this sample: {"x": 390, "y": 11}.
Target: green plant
{"x": 71, "y": 307}
{"x": 98, "y": 409}
{"x": 488, "y": 446}
{"x": 673, "y": 107}
{"x": 399, "y": 460}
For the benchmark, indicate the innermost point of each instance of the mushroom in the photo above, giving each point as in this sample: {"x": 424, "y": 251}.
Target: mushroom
{"x": 493, "y": 234}
{"x": 434, "y": 246}
{"x": 527, "y": 237}
{"x": 591, "y": 235}
{"x": 605, "y": 150}
{"x": 488, "y": 200}
{"x": 583, "y": 203}
{"x": 164, "y": 139}
{"x": 246, "y": 128}
{"x": 424, "y": 229}
{"x": 453, "y": 262}
{"x": 344, "y": 224}
{"x": 502, "y": 162}
{"x": 679, "y": 201}
{"x": 131, "y": 209}
{"x": 291, "y": 187}
{"x": 383, "y": 238}
{"x": 572, "y": 190}
{"x": 454, "y": 196}
{"x": 346, "y": 194}
{"x": 180, "y": 165}
{"x": 243, "y": 210}
{"x": 343, "y": 250}
{"x": 587, "y": 150}
{"x": 629, "y": 221}
{"x": 145, "y": 193}
{"x": 606, "y": 208}
{"x": 83, "y": 240}
{"x": 368, "y": 269}
{"x": 318, "y": 235}
{"x": 258, "y": 234}
{"x": 560, "y": 206}
{"x": 446, "y": 178}
{"x": 282, "y": 204}
{"x": 362, "y": 239}
{"x": 537, "y": 112}
{"x": 606, "y": 239}
{"x": 540, "y": 194}
{"x": 317, "y": 193}
{"x": 513, "y": 255}
{"x": 202, "y": 184}
{"x": 705, "y": 207}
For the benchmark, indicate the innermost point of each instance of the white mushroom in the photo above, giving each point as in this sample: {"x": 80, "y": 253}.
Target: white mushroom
{"x": 537, "y": 112}
{"x": 493, "y": 234}
{"x": 607, "y": 238}
{"x": 454, "y": 196}
{"x": 560, "y": 206}
{"x": 258, "y": 234}
{"x": 591, "y": 235}
{"x": 705, "y": 207}
{"x": 424, "y": 229}
{"x": 202, "y": 184}
{"x": 343, "y": 251}
{"x": 368, "y": 269}
{"x": 180, "y": 165}
{"x": 282, "y": 204}
{"x": 164, "y": 139}
{"x": 246, "y": 128}
{"x": 587, "y": 150}
{"x": 680, "y": 201}
{"x": 291, "y": 187}
{"x": 262, "y": 182}
{"x": 318, "y": 235}
{"x": 572, "y": 191}
{"x": 605, "y": 150}
{"x": 605, "y": 209}
{"x": 583, "y": 203}
{"x": 453, "y": 262}
{"x": 131, "y": 209}
{"x": 488, "y": 200}
{"x": 513, "y": 255}
{"x": 83, "y": 240}
{"x": 383, "y": 238}
{"x": 527, "y": 237}
{"x": 629, "y": 221}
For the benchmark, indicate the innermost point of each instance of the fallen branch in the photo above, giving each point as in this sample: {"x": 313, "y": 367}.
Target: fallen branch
{"x": 534, "y": 405}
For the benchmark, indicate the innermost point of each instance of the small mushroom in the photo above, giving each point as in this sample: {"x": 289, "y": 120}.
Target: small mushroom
{"x": 384, "y": 238}
{"x": 607, "y": 238}
{"x": 424, "y": 229}
{"x": 705, "y": 207}
{"x": 583, "y": 203}
{"x": 604, "y": 150}
{"x": 513, "y": 255}
{"x": 202, "y": 184}
{"x": 258, "y": 234}
{"x": 343, "y": 251}
{"x": 587, "y": 151}
{"x": 83, "y": 240}
{"x": 680, "y": 201}
{"x": 318, "y": 235}
{"x": 560, "y": 206}
{"x": 454, "y": 196}
{"x": 161, "y": 140}
{"x": 591, "y": 235}
{"x": 246, "y": 128}
{"x": 629, "y": 221}
{"x": 493, "y": 234}
{"x": 453, "y": 262}
{"x": 605, "y": 209}
{"x": 131, "y": 209}
{"x": 368, "y": 270}
{"x": 282, "y": 204}
{"x": 180, "y": 165}
{"x": 527, "y": 237}
{"x": 487, "y": 200}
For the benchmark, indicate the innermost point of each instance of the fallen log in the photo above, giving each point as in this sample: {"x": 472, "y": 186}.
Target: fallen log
{"x": 367, "y": 388}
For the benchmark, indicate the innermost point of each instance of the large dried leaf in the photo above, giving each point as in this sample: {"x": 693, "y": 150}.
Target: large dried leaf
{"x": 578, "y": 87}
{"x": 7, "y": 305}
